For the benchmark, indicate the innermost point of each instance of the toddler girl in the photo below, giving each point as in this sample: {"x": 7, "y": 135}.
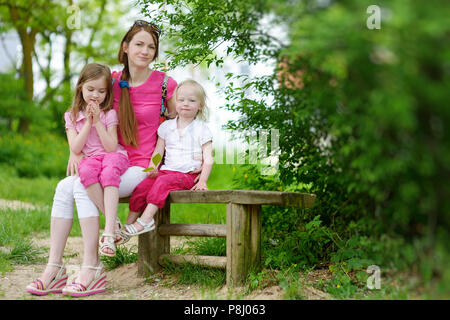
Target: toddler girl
{"x": 186, "y": 142}
{"x": 91, "y": 126}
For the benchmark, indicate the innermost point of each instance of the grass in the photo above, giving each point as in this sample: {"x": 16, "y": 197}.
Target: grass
{"x": 38, "y": 191}
{"x": 21, "y": 252}
{"x": 189, "y": 274}
{"x": 20, "y": 224}
{"x": 124, "y": 255}
{"x": 16, "y": 231}
{"x": 206, "y": 247}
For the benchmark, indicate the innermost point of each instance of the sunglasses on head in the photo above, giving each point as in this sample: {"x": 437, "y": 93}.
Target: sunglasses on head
{"x": 143, "y": 23}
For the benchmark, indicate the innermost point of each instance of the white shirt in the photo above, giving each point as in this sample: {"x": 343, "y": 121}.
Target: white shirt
{"x": 183, "y": 151}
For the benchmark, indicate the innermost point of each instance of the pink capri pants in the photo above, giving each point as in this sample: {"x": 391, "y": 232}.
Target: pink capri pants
{"x": 104, "y": 168}
{"x": 156, "y": 190}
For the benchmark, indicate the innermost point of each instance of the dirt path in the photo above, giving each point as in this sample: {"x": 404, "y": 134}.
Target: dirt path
{"x": 125, "y": 283}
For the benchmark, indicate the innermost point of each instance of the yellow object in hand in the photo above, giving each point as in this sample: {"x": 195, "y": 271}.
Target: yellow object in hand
{"x": 156, "y": 160}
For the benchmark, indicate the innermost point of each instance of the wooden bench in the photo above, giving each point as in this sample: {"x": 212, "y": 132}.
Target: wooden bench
{"x": 242, "y": 230}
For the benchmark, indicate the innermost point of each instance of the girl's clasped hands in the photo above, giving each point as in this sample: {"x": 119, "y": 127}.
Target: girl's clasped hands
{"x": 93, "y": 112}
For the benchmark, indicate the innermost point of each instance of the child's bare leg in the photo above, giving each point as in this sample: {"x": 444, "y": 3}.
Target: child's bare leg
{"x": 111, "y": 202}
{"x": 89, "y": 230}
{"x": 111, "y": 194}
{"x": 147, "y": 215}
{"x": 95, "y": 192}
{"x": 132, "y": 217}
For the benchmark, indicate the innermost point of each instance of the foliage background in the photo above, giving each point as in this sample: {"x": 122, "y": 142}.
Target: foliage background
{"x": 362, "y": 118}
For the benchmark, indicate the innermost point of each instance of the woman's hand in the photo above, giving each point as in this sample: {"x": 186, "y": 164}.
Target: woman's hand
{"x": 74, "y": 161}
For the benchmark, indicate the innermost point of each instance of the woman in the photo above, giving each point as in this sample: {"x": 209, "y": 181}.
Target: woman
{"x": 137, "y": 100}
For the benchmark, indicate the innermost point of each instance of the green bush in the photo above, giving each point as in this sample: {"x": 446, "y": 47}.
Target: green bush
{"x": 291, "y": 236}
{"x": 362, "y": 119}
{"x": 35, "y": 155}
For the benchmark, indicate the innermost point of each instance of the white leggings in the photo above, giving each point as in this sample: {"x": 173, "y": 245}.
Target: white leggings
{"x": 70, "y": 189}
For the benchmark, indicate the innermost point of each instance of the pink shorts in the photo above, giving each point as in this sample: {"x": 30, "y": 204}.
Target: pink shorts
{"x": 156, "y": 190}
{"x": 104, "y": 168}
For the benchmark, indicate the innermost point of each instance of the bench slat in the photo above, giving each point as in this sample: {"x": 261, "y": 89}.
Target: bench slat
{"x": 294, "y": 199}
{"x": 199, "y": 230}
{"x": 209, "y": 261}
{"x": 303, "y": 200}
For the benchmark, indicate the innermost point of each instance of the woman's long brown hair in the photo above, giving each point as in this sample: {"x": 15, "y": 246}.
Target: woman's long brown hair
{"x": 127, "y": 117}
{"x": 92, "y": 71}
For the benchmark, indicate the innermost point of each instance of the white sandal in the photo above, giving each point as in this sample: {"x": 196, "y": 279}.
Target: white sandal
{"x": 55, "y": 286}
{"x": 97, "y": 285}
{"x": 107, "y": 243}
{"x": 131, "y": 230}
{"x": 124, "y": 238}
{"x": 118, "y": 233}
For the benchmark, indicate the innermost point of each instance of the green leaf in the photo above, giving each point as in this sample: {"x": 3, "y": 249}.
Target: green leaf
{"x": 156, "y": 159}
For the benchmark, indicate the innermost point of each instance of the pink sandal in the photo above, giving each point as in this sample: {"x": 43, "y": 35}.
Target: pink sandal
{"x": 98, "y": 285}
{"x": 55, "y": 286}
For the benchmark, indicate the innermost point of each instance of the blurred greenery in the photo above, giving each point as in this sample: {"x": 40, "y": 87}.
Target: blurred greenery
{"x": 362, "y": 115}
{"x": 57, "y": 39}
{"x": 34, "y": 155}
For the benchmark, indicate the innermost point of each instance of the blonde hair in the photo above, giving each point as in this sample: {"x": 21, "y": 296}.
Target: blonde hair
{"x": 127, "y": 117}
{"x": 203, "y": 112}
{"x": 92, "y": 71}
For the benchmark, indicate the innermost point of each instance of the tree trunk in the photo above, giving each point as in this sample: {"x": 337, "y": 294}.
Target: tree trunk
{"x": 27, "y": 39}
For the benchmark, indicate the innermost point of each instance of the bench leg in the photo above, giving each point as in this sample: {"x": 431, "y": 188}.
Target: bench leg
{"x": 243, "y": 241}
{"x": 151, "y": 244}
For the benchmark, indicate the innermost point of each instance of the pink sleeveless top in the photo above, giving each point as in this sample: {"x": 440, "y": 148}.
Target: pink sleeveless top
{"x": 146, "y": 101}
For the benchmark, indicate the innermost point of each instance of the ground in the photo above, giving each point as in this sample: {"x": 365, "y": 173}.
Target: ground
{"x": 125, "y": 283}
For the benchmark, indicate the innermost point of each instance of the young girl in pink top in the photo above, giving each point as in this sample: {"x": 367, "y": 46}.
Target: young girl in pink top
{"x": 91, "y": 125}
